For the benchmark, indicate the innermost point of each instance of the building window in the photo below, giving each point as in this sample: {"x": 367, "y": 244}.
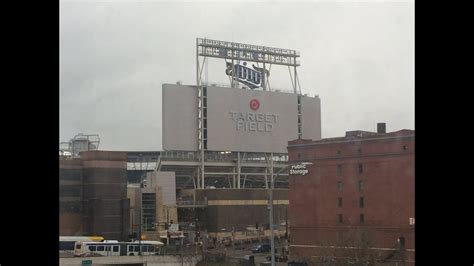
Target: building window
{"x": 339, "y": 202}
{"x": 339, "y": 185}
{"x": 149, "y": 210}
{"x": 359, "y": 150}
{"x": 299, "y": 155}
{"x": 405, "y": 147}
{"x": 70, "y": 174}
{"x": 339, "y": 169}
{"x": 100, "y": 248}
{"x": 70, "y": 206}
{"x": 116, "y": 248}
{"x": 70, "y": 191}
{"x": 361, "y": 202}
{"x": 338, "y": 152}
{"x": 361, "y": 218}
{"x": 361, "y": 185}
{"x": 361, "y": 168}
{"x": 339, "y": 217}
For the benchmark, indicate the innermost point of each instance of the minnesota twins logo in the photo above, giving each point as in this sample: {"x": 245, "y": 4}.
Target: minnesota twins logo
{"x": 252, "y": 78}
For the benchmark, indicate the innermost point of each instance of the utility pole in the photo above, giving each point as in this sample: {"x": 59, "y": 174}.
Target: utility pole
{"x": 272, "y": 239}
{"x": 141, "y": 207}
{"x": 286, "y": 222}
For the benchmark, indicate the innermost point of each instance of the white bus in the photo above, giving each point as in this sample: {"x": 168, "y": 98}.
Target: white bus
{"x": 117, "y": 248}
{"x": 67, "y": 243}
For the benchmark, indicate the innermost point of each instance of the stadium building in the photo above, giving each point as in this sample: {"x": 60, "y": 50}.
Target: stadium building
{"x": 230, "y": 136}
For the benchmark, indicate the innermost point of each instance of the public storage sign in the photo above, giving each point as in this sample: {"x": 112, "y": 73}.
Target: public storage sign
{"x": 299, "y": 169}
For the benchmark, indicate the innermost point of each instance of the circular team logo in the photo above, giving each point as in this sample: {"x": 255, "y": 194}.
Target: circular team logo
{"x": 254, "y": 104}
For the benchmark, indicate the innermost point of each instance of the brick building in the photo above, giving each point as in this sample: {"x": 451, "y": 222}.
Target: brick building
{"x": 356, "y": 201}
{"x": 93, "y": 195}
{"x": 70, "y": 197}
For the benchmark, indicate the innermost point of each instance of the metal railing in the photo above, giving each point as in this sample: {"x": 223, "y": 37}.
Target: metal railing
{"x": 191, "y": 203}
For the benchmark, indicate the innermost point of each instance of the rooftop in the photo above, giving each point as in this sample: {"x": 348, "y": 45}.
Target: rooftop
{"x": 354, "y": 136}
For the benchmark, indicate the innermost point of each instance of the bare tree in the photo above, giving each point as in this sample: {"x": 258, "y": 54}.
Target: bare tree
{"x": 351, "y": 246}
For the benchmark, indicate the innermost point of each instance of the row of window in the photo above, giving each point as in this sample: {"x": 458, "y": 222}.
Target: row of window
{"x": 360, "y": 168}
{"x": 74, "y": 207}
{"x": 134, "y": 248}
{"x": 359, "y": 150}
{"x": 103, "y": 248}
{"x": 341, "y": 220}
{"x": 361, "y": 202}
{"x": 70, "y": 191}
{"x": 360, "y": 185}
{"x": 70, "y": 174}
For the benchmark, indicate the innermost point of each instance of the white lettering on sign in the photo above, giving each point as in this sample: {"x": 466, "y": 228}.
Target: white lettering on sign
{"x": 299, "y": 169}
{"x": 250, "y": 121}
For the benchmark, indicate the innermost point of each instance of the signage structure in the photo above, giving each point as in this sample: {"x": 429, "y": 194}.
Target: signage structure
{"x": 247, "y": 52}
{"x": 245, "y": 125}
{"x": 240, "y": 52}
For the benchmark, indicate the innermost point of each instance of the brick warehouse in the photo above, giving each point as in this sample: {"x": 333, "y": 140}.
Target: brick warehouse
{"x": 356, "y": 203}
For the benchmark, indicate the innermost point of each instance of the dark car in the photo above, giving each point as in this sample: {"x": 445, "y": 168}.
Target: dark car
{"x": 261, "y": 248}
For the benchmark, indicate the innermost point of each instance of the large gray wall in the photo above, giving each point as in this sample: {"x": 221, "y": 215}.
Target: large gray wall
{"x": 167, "y": 181}
{"x": 180, "y": 127}
{"x": 311, "y": 114}
{"x": 231, "y": 124}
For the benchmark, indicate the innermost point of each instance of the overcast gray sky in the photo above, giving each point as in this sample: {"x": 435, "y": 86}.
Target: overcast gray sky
{"x": 358, "y": 56}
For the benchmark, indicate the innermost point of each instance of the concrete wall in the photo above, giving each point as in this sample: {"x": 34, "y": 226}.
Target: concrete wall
{"x": 133, "y": 194}
{"x": 311, "y": 114}
{"x": 180, "y": 117}
{"x": 165, "y": 180}
{"x": 249, "y": 205}
{"x": 164, "y": 213}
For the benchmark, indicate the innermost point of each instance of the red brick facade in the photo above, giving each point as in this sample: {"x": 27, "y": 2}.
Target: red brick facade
{"x": 365, "y": 174}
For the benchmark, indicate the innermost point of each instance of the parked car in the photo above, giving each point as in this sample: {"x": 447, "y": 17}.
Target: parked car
{"x": 261, "y": 248}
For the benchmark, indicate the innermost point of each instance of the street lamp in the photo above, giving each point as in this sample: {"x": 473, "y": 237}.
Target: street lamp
{"x": 272, "y": 239}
